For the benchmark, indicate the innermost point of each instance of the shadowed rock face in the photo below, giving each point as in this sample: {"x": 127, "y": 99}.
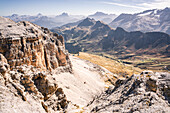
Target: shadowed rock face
{"x": 26, "y": 43}
{"x": 135, "y": 42}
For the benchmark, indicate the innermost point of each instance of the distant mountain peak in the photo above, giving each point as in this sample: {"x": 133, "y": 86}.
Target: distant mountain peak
{"x": 119, "y": 29}
{"x": 100, "y": 14}
{"x": 89, "y": 19}
{"x": 87, "y": 22}
{"x": 106, "y": 18}
{"x": 39, "y": 14}
{"x": 64, "y": 14}
{"x": 15, "y": 15}
{"x": 167, "y": 8}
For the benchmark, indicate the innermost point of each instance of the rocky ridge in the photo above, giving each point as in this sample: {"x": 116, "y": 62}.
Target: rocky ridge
{"x": 135, "y": 94}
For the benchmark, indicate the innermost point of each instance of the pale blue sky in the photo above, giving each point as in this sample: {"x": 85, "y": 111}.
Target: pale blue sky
{"x": 78, "y": 7}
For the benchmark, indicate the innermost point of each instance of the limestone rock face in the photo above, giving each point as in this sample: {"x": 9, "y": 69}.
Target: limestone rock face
{"x": 26, "y": 43}
{"x": 29, "y": 57}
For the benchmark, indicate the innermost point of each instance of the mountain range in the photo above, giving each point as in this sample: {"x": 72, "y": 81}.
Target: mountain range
{"x": 60, "y": 20}
{"x": 96, "y": 36}
{"x": 47, "y": 21}
{"x": 146, "y": 21}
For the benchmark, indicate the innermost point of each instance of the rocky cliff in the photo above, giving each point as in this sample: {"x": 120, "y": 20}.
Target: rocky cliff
{"x": 28, "y": 54}
{"x": 26, "y": 43}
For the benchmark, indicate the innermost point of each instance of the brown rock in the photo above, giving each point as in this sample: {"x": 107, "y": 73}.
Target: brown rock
{"x": 29, "y": 55}
{"x": 27, "y": 43}
{"x": 45, "y": 85}
{"x": 3, "y": 59}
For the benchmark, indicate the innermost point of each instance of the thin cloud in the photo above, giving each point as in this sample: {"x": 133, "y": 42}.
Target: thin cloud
{"x": 159, "y": 4}
{"x": 124, "y": 5}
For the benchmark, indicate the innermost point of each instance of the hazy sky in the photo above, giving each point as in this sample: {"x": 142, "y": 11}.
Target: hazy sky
{"x": 78, "y": 7}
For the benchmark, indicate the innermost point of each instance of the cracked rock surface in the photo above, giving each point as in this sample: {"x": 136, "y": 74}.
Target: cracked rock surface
{"x": 144, "y": 95}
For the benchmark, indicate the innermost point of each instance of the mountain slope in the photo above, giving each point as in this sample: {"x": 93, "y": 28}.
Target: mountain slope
{"x": 85, "y": 34}
{"x": 146, "y": 21}
{"x": 148, "y": 50}
{"x": 123, "y": 42}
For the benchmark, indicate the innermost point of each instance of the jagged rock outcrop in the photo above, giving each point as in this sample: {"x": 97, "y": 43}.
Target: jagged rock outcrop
{"x": 33, "y": 86}
{"x": 27, "y": 43}
{"x": 29, "y": 54}
{"x": 136, "y": 94}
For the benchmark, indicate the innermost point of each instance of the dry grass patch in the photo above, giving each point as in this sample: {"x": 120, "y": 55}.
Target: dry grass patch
{"x": 113, "y": 66}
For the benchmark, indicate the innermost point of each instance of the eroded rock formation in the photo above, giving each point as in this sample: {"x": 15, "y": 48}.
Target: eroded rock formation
{"x": 29, "y": 54}
{"x": 26, "y": 43}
